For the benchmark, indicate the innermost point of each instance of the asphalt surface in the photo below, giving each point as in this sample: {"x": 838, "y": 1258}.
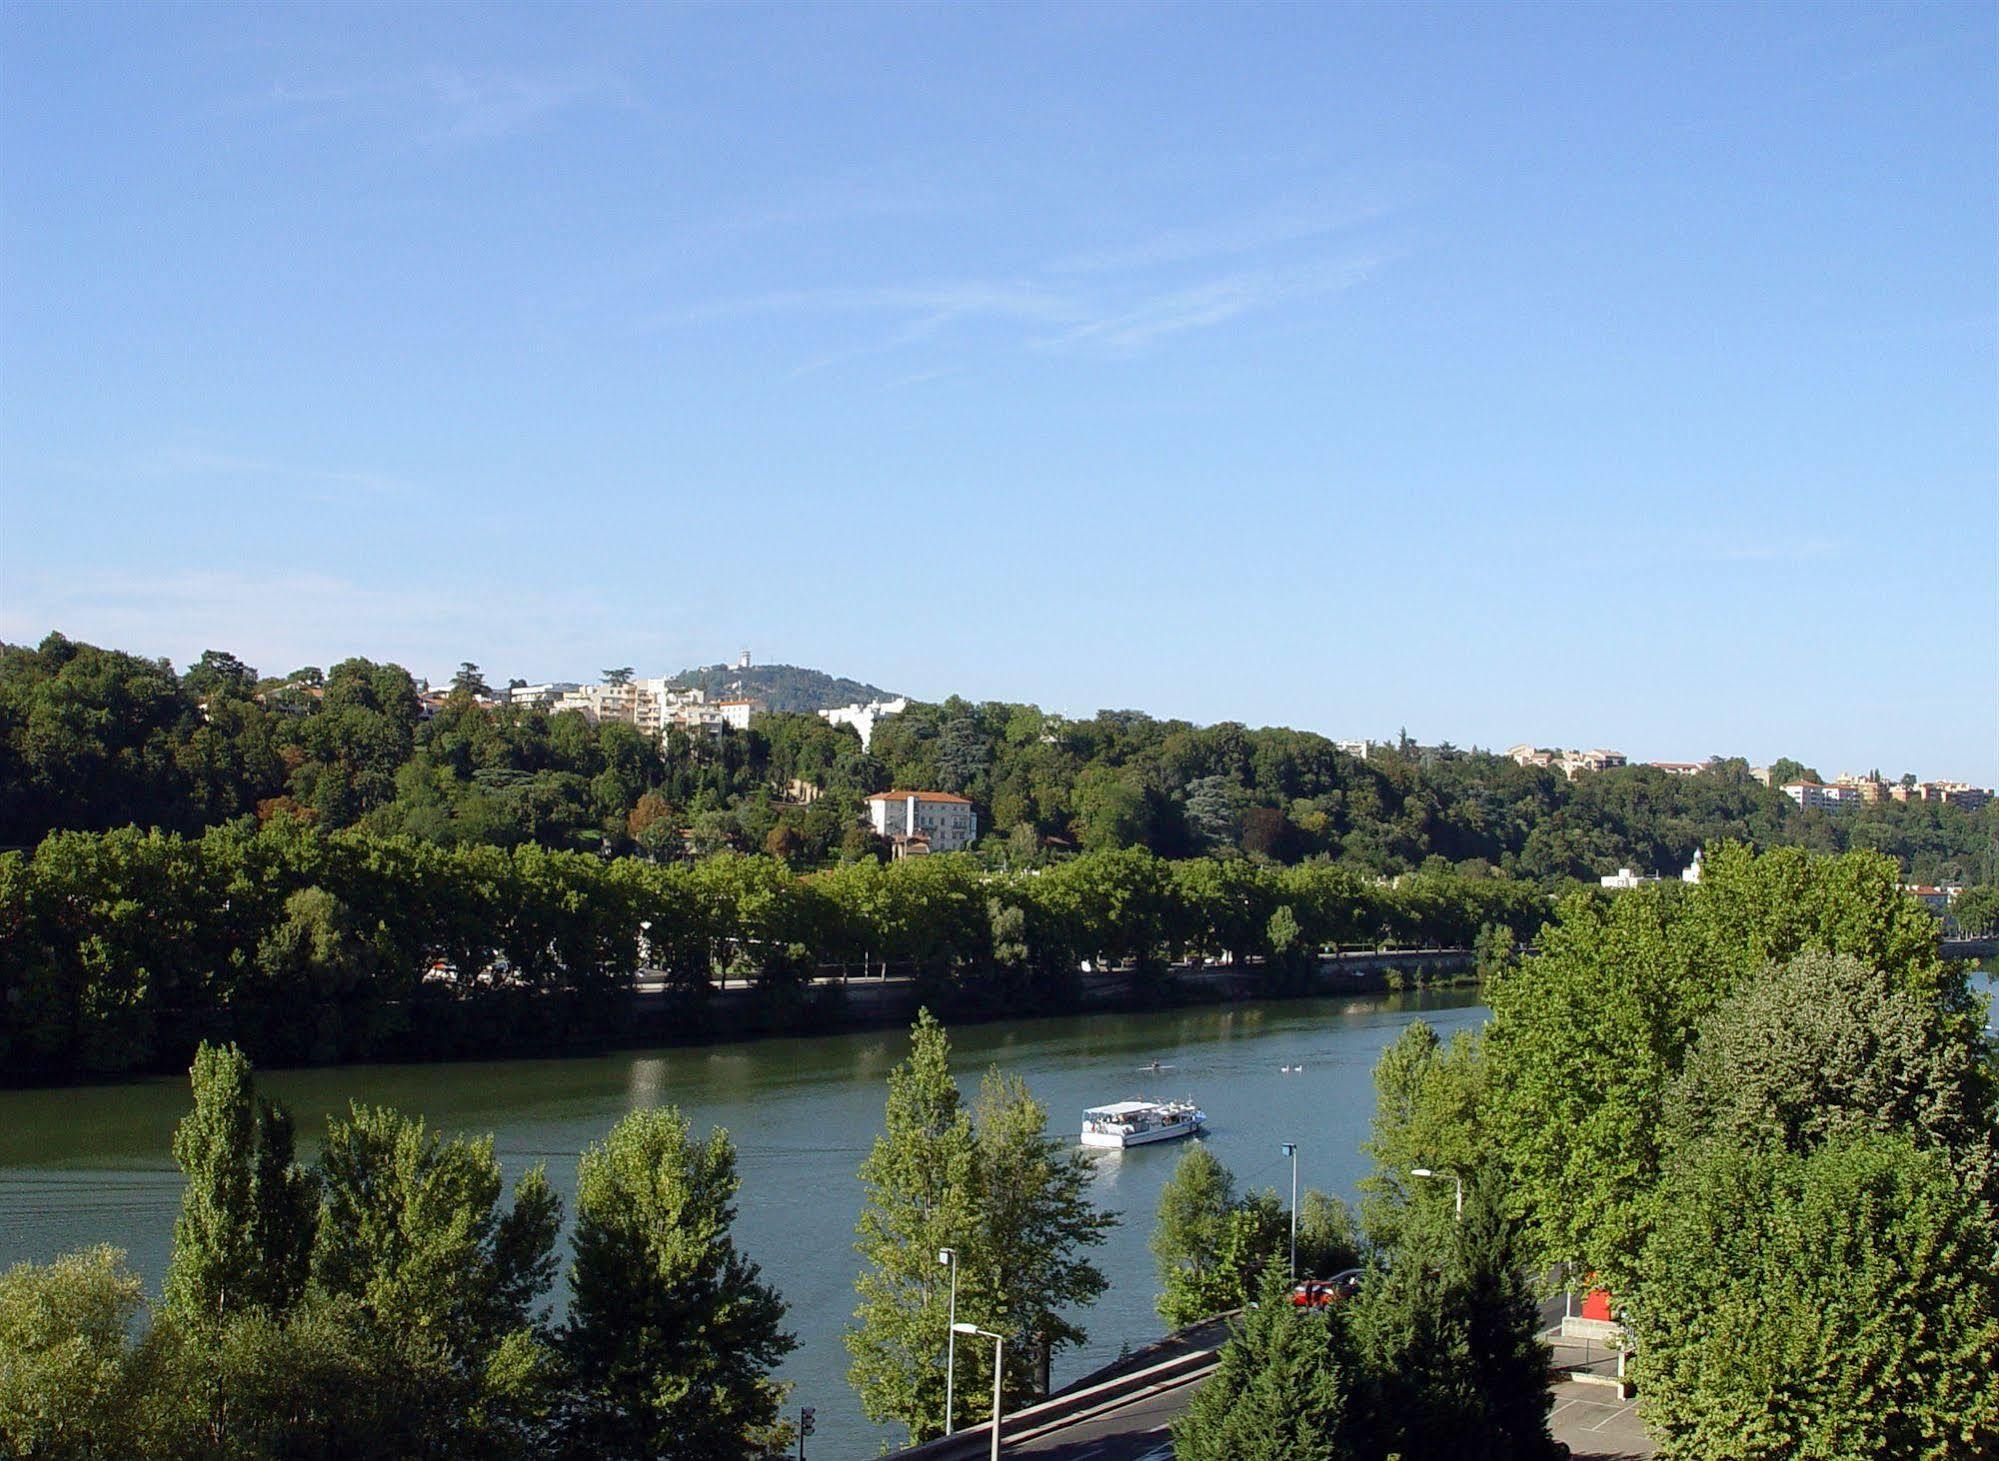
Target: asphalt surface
{"x": 1595, "y": 1423}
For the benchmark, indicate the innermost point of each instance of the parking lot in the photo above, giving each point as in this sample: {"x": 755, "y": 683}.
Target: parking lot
{"x": 1595, "y": 1423}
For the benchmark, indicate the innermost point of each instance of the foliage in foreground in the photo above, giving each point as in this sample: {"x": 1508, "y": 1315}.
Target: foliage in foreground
{"x": 389, "y": 1303}
{"x": 1213, "y": 1247}
{"x": 671, "y": 1334}
{"x": 1437, "y": 1356}
{"x": 1841, "y": 1303}
{"x": 1013, "y": 1206}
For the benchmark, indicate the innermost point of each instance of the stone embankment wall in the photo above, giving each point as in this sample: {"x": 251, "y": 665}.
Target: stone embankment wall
{"x": 742, "y": 1011}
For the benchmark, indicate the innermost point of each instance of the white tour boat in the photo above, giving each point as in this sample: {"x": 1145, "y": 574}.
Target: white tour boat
{"x": 1128, "y": 1123}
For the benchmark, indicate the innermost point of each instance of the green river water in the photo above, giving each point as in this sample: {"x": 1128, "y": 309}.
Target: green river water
{"x": 92, "y": 1165}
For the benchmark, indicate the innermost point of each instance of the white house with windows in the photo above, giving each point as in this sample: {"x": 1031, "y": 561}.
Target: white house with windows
{"x": 917, "y": 822}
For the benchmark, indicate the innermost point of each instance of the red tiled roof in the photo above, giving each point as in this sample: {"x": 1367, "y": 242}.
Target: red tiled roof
{"x": 922, "y": 796}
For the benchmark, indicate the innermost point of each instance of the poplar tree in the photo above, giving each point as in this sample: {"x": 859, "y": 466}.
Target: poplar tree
{"x": 1034, "y": 1219}
{"x": 919, "y": 1178}
{"x": 244, "y": 1236}
{"x": 671, "y": 1335}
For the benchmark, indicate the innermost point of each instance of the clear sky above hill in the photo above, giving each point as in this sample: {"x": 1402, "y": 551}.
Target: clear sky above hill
{"x": 1583, "y": 375}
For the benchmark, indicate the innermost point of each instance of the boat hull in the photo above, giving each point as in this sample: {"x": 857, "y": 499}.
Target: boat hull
{"x": 1140, "y": 1138}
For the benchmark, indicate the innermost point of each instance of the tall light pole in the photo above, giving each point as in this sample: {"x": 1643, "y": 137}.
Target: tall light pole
{"x": 949, "y": 1258}
{"x": 1291, "y": 1151}
{"x": 999, "y": 1372}
{"x": 1426, "y": 1172}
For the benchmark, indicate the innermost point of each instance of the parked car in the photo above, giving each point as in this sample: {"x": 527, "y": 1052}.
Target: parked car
{"x": 1318, "y": 1293}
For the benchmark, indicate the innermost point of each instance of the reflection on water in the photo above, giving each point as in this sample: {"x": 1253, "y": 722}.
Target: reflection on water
{"x": 93, "y": 1165}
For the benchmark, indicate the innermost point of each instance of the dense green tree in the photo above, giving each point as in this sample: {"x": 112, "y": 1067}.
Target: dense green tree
{"x": 1839, "y": 1303}
{"x": 1824, "y": 1047}
{"x": 65, "y": 1367}
{"x": 1975, "y": 911}
{"x": 1029, "y": 1271}
{"x": 1008, "y": 1201}
{"x": 1186, "y": 1241}
{"x": 1283, "y": 1389}
{"x": 1328, "y": 1239}
{"x": 1586, "y": 1037}
{"x": 921, "y": 1183}
{"x": 1449, "y": 1330}
{"x": 413, "y": 1238}
{"x": 1428, "y": 1098}
{"x": 248, "y": 1215}
{"x": 671, "y": 1334}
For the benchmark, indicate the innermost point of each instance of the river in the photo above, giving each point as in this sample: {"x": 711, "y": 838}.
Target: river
{"x": 92, "y": 1165}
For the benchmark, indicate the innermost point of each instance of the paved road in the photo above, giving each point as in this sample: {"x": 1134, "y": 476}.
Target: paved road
{"x": 1137, "y": 1432}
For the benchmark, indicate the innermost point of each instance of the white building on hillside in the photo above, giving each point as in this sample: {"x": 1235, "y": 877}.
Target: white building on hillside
{"x": 1624, "y": 877}
{"x": 917, "y": 822}
{"x": 863, "y": 717}
{"x": 1813, "y": 794}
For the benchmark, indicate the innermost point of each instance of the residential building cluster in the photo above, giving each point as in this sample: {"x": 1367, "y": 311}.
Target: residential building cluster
{"x": 1569, "y": 763}
{"x": 1850, "y": 790}
{"x": 653, "y": 705}
{"x": 1840, "y": 794}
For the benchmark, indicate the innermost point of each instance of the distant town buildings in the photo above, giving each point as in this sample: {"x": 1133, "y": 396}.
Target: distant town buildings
{"x": 1950, "y": 793}
{"x": 653, "y": 705}
{"x": 1844, "y": 792}
{"x": 1937, "y": 898}
{"x": 1569, "y": 763}
{"x": 1849, "y": 791}
{"x": 1814, "y": 795}
{"x": 919, "y": 822}
{"x": 1356, "y": 749}
{"x": 863, "y": 717}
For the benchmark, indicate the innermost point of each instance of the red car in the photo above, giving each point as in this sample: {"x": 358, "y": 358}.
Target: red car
{"x": 1317, "y": 1293}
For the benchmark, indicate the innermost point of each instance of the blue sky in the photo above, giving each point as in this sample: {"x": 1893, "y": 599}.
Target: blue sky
{"x": 1583, "y": 375}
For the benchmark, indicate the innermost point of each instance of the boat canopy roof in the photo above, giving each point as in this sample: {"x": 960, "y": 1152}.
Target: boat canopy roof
{"x": 1123, "y": 1108}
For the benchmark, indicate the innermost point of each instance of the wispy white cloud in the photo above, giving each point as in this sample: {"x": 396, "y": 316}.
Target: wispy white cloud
{"x": 931, "y": 304}
{"x": 194, "y": 462}
{"x": 1119, "y": 301}
{"x": 1270, "y": 229}
{"x": 1214, "y": 302}
{"x": 446, "y": 105}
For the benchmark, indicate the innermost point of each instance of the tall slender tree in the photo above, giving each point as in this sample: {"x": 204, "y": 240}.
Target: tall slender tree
{"x": 244, "y": 1236}
{"x": 1035, "y": 1220}
{"x": 671, "y": 1333}
{"x": 920, "y": 1180}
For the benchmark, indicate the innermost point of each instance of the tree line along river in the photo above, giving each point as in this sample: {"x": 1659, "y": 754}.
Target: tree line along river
{"x": 90, "y": 1165}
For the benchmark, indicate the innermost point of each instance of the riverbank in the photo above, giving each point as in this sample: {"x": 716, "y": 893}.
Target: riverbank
{"x": 752, "y": 1011}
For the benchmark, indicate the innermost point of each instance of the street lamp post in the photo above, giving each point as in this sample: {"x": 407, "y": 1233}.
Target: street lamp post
{"x": 1291, "y": 1151}
{"x": 1426, "y": 1172}
{"x": 949, "y": 1258}
{"x": 999, "y": 1372}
